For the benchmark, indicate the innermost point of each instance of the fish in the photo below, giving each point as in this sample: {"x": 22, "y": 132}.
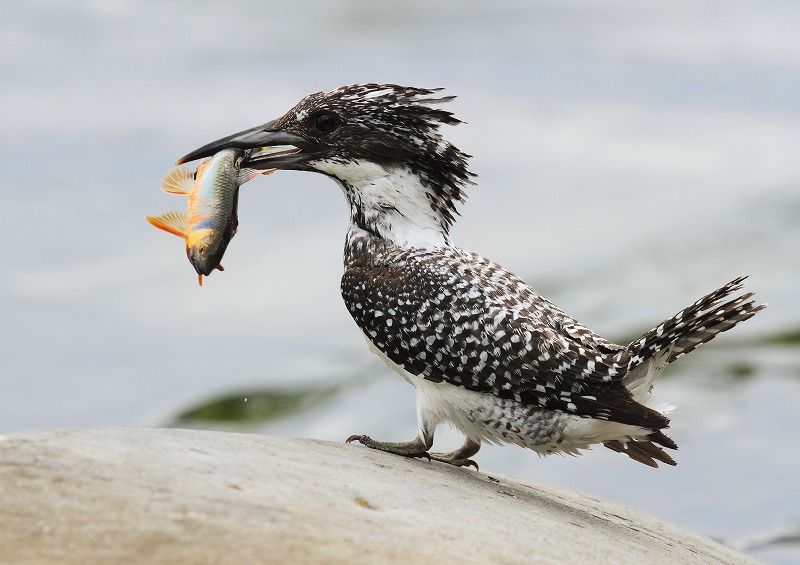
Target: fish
{"x": 211, "y": 219}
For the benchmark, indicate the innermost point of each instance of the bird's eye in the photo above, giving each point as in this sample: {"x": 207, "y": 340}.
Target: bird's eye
{"x": 325, "y": 122}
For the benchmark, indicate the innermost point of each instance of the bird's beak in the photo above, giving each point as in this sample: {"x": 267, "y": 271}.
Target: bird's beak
{"x": 256, "y": 140}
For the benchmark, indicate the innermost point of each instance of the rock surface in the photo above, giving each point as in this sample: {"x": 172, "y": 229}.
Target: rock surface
{"x": 181, "y": 496}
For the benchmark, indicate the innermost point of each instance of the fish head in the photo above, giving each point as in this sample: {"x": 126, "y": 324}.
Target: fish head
{"x": 205, "y": 250}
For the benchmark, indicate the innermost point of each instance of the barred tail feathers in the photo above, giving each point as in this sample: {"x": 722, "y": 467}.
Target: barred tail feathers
{"x": 646, "y": 450}
{"x": 695, "y": 325}
{"x": 676, "y": 336}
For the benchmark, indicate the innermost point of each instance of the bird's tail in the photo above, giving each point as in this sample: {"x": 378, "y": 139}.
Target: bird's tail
{"x": 695, "y": 325}
{"x": 701, "y": 322}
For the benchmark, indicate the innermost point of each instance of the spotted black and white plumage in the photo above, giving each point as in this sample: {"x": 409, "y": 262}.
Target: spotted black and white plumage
{"x": 483, "y": 349}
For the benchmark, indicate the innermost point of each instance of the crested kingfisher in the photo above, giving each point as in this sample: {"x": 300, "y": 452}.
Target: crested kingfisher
{"x": 484, "y": 351}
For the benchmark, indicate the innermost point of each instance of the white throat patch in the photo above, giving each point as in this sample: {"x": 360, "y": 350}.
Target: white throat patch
{"x": 394, "y": 201}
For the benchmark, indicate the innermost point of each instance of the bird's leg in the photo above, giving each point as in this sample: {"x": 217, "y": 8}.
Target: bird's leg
{"x": 417, "y": 447}
{"x": 461, "y": 456}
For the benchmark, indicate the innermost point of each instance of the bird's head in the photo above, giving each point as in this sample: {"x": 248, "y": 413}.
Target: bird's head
{"x": 380, "y": 142}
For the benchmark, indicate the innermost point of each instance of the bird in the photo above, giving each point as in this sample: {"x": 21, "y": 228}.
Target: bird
{"x": 484, "y": 351}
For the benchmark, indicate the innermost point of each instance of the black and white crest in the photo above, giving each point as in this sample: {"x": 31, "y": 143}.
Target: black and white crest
{"x": 389, "y": 126}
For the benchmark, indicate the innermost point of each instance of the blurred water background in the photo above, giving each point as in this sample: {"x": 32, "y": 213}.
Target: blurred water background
{"x": 631, "y": 157}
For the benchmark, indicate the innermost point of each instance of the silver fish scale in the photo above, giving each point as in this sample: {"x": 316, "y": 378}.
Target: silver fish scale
{"x": 453, "y": 316}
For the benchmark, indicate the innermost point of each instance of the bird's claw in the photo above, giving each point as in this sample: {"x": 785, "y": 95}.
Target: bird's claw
{"x": 471, "y": 463}
{"x": 416, "y": 448}
{"x": 450, "y": 460}
{"x": 406, "y": 449}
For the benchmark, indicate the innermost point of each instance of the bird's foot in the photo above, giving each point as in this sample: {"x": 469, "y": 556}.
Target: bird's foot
{"x": 461, "y": 456}
{"x": 413, "y": 448}
{"x": 453, "y": 459}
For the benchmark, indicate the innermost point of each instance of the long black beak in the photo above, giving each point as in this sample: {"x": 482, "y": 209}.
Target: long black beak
{"x": 261, "y": 136}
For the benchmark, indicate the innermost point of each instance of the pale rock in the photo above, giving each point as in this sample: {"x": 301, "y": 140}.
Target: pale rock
{"x": 181, "y": 496}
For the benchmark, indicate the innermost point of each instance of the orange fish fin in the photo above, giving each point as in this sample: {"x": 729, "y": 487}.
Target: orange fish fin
{"x": 172, "y": 222}
{"x": 200, "y": 280}
{"x": 178, "y": 180}
{"x": 246, "y": 175}
{"x": 220, "y": 268}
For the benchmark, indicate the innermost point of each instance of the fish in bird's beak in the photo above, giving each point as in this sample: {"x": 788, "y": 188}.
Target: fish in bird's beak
{"x": 212, "y": 200}
{"x": 271, "y": 148}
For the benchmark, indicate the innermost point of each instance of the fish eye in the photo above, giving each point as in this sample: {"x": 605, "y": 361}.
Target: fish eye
{"x": 203, "y": 249}
{"x": 325, "y": 122}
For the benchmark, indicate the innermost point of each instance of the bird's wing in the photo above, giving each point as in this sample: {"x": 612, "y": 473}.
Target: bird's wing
{"x": 455, "y": 317}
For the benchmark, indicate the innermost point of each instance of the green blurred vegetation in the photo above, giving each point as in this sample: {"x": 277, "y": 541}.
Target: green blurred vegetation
{"x": 263, "y": 405}
{"x": 741, "y": 370}
{"x": 787, "y": 338}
